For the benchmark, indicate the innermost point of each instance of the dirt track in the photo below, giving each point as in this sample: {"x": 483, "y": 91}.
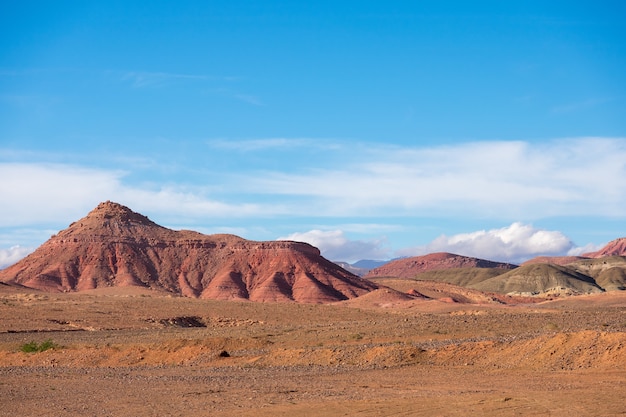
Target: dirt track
{"x": 125, "y": 354}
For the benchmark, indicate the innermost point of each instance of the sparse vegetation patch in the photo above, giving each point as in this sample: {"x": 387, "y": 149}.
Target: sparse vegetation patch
{"x": 33, "y": 347}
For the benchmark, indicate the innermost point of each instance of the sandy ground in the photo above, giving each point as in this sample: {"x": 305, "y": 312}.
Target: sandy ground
{"x": 133, "y": 352}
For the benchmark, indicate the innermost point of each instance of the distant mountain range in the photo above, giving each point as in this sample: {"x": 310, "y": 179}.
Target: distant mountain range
{"x": 362, "y": 267}
{"x": 603, "y": 270}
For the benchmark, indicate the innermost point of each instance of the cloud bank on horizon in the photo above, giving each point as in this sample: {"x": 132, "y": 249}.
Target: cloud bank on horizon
{"x": 515, "y": 244}
{"x": 498, "y": 179}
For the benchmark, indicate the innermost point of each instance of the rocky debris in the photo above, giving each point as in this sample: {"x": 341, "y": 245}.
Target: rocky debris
{"x": 114, "y": 247}
{"x": 410, "y": 267}
{"x": 183, "y": 321}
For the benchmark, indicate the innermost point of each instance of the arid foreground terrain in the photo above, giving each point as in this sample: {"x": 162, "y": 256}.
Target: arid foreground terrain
{"x": 131, "y": 351}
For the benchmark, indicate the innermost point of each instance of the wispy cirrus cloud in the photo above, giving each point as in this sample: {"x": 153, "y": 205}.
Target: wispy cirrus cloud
{"x": 579, "y": 105}
{"x": 41, "y": 193}
{"x": 40, "y": 103}
{"x": 497, "y": 181}
{"x": 137, "y": 79}
{"x": 230, "y": 93}
{"x": 249, "y": 98}
{"x": 141, "y": 79}
{"x": 500, "y": 179}
{"x": 251, "y": 145}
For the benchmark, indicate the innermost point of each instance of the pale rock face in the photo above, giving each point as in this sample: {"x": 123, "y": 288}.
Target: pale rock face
{"x": 114, "y": 246}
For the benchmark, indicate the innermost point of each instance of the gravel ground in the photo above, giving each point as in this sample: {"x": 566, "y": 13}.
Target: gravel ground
{"x": 136, "y": 355}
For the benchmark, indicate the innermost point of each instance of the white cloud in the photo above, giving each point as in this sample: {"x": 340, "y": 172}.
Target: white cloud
{"x": 58, "y": 193}
{"x": 589, "y": 247}
{"x": 579, "y": 105}
{"x": 335, "y": 246}
{"x": 10, "y": 256}
{"x": 496, "y": 180}
{"x": 44, "y": 193}
{"x": 141, "y": 79}
{"x": 249, "y": 145}
{"x": 363, "y": 185}
{"x": 515, "y": 243}
{"x": 250, "y": 99}
{"x": 500, "y": 179}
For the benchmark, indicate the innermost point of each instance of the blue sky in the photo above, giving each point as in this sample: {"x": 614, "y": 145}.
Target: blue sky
{"x": 370, "y": 129}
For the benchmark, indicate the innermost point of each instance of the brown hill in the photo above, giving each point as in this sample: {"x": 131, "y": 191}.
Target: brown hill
{"x": 556, "y": 260}
{"x": 609, "y": 272}
{"x": 540, "y": 279}
{"x": 615, "y": 247}
{"x": 114, "y": 246}
{"x": 612, "y": 279}
{"x": 460, "y": 276}
{"x": 410, "y": 267}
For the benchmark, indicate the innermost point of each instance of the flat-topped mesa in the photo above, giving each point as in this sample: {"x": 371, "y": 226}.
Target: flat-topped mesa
{"x": 114, "y": 246}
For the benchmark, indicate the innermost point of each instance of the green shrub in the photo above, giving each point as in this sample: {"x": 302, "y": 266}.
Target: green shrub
{"x": 32, "y": 347}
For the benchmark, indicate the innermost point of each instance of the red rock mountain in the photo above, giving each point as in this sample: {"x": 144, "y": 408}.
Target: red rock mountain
{"x": 114, "y": 246}
{"x": 615, "y": 247}
{"x": 410, "y": 267}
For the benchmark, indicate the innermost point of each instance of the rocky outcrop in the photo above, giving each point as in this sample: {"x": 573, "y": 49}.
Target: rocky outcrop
{"x": 114, "y": 246}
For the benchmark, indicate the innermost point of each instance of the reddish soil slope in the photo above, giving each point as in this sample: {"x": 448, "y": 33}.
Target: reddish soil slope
{"x": 410, "y": 267}
{"x": 114, "y": 246}
{"x": 615, "y": 247}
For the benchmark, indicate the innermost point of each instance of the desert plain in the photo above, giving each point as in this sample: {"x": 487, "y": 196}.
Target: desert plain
{"x": 125, "y": 351}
